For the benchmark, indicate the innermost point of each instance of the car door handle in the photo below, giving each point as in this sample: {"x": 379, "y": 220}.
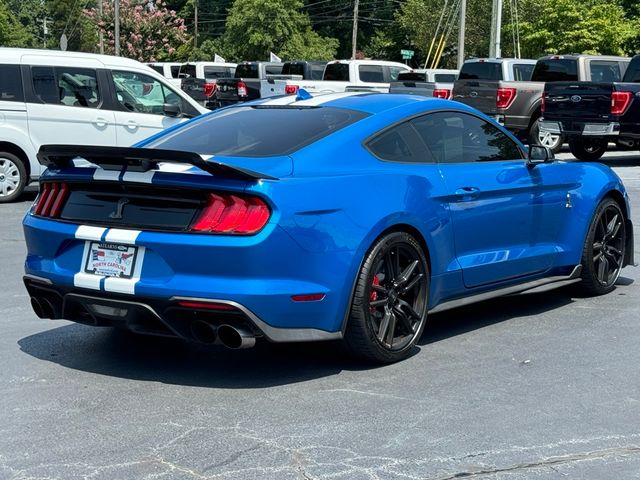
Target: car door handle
{"x": 100, "y": 122}
{"x": 467, "y": 193}
{"x": 132, "y": 125}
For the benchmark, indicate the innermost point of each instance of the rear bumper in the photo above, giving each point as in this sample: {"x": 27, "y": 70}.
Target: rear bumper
{"x": 156, "y": 316}
{"x": 586, "y": 129}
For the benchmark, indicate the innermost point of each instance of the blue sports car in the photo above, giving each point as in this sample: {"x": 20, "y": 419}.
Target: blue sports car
{"x": 342, "y": 216}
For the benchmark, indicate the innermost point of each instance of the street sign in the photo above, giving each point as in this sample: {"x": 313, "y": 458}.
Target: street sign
{"x": 407, "y": 54}
{"x": 63, "y": 42}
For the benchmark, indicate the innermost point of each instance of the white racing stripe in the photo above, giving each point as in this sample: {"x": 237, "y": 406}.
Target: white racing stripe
{"x": 85, "y": 232}
{"x": 139, "y": 177}
{"x": 116, "y": 235}
{"x": 126, "y": 285}
{"x": 83, "y": 279}
{"x": 102, "y": 174}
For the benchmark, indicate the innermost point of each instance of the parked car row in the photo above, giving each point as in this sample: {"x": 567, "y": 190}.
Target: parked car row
{"x": 69, "y": 97}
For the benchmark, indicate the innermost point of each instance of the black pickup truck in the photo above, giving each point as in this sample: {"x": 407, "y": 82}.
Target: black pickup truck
{"x": 592, "y": 114}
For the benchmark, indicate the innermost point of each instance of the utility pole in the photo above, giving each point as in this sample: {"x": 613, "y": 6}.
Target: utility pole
{"x": 101, "y": 34}
{"x": 496, "y": 29}
{"x": 116, "y": 19}
{"x": 354, "y": 34}
{"x": 462, "y": 24}
{"x": 195, "y": 25}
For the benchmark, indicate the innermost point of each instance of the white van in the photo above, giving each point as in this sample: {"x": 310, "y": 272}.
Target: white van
{"x": 52, "y": 97}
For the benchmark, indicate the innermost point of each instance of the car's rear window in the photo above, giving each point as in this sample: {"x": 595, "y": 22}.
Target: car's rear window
{"x": 247, "y": 70}
{"x": 522, "y": 71}
{"x": 481, "y": 71}
{"x": 445, "y": 77}
{"x": 337, "y": 71}
{"x": 258, "y": 131}
{"x": 412, "y": 76}
{"x": 556, "y": 70}
{"x": 213, "y": 72}
{"x": 188, "y": 71}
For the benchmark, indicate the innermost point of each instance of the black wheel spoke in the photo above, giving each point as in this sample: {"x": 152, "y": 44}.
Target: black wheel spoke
{"x": 391, "y": 331}
{"x": 409, "y": 308}
{"x": 379, "y": 288}
{"x": 404, "y": 320}
{"x": 406, "y": 273}
{"x": 390, "y": 265}
{"x": 603, "y": 269}
{"x": 412, "y": 283}
{"x": 378, "y": 303}
{"x": 384, "y": 325}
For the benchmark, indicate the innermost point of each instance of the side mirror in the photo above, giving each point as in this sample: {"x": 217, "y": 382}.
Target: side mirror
{"x": 539, "y": 154}
{"x": 171, "y": 110}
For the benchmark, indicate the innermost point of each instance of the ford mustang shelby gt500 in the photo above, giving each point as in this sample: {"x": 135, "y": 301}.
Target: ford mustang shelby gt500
{"x": 343, "y": 216}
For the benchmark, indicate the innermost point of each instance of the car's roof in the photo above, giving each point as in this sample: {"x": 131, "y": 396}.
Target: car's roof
{"x": 15, "y": 55}
{"x": 363, "y": 101}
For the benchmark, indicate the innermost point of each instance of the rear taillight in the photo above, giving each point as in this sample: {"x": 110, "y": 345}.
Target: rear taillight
{"x": 505, "y": 97}
{"x": 52, "y": 198}
{"x": 233, "y": 215}
{"x": 209, "y": 89}
{"x": 291, "y": 89}
{"x": 242, "y": 89}
{"x": 442, "y": 93}
{"x": 620, "y": 101}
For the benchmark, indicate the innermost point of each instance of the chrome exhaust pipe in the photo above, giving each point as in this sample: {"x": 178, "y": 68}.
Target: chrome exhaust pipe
{"x": 204, "y": 332}
{"x": 234, "y": 338}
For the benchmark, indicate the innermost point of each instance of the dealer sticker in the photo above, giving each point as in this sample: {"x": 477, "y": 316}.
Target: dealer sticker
{"x": 111, "y": 260}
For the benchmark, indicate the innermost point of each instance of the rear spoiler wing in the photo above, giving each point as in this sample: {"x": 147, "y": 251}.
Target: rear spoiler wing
{"x": 138, "y": 159}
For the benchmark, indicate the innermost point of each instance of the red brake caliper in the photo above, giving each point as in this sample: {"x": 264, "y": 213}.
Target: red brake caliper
{"x": 374, "y": 295}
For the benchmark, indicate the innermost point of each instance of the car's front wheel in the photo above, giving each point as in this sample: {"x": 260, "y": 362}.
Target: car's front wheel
{"x": 389, "y": 305}
{"x": 588, "y": 149}
{"x": 604, "y": 249}
{"x": 13, "y": 177}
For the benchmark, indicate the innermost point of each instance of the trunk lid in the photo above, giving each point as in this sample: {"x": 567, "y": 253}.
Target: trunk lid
{"x": 581, "y": 101}
{"x": 480, "y": 94}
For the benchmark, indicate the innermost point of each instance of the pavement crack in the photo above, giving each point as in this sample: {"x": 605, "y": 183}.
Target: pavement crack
{"x": 232, "y": 458}
{"x": 547, "y": 462}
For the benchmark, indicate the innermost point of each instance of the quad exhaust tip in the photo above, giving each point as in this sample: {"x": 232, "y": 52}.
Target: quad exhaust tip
{"x": 204, "y": 332}
{"x": 42, "y": 307}
{"x": 235, "y": 338}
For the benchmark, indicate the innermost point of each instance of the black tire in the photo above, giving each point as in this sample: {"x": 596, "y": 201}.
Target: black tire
{"x": 389, "y": 307}
{"x": 588, "y": 149}
{"x": 13, "y": 177}
{"x": 604, "y": 249}
{"x": 553, "y": 142}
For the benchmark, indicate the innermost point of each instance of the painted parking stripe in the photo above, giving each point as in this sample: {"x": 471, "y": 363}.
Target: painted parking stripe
{"x": 116, "y": 235}
{"x": 86, "y": 232}
{"x": 126, "y": 285}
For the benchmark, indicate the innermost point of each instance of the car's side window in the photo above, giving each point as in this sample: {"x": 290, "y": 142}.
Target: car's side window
{"x": 394, "y": 72}
{"x": 10, "y": 84}
{"x": 400, "y": 143}
{"x": 605, "y": 71}
{"x": 371, "y": 73}
{"x": 141, "y": 93}
{"x": 73, "y": 87}
{"x": 456, "y": 137}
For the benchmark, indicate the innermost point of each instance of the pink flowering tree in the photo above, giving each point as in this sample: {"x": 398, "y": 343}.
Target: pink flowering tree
{"x": 147, "y": 33}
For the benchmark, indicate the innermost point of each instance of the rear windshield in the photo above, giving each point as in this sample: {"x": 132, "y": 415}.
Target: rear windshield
{"x": 412, "y": 76}
{"x": 188, "y": 71}
{"x": 258, "y": 131}
{"x": 606, "y": 71}
{"x": 317, "y": 71}
{"x": 445, "y": 77}
{"x": 247, "y": 70}
{"x": 337, "y": 71}
{"x": 556, "y": 70}
{"x": 481, "y": 71}
{"x": 522, "y": 71}
{"x": 212, "y": 72}
{"x": 293, "y": 69}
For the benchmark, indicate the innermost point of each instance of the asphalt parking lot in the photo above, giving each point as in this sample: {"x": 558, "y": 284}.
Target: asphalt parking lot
{"x": 538, "y": 386}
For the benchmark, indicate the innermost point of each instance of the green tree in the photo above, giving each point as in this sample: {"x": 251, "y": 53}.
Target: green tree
{"x": 572, "y": 26}
{"x": 31, "y": 14}
{"x": 146, "y": 35}
{"x": 12, "y": 32}
{"x": 256, "y": 27}
{"x": 67, "y": 17}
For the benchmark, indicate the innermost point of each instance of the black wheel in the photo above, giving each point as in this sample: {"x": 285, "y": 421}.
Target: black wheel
{"x": 603, "y": 252}
{"x": 550, "y": 140}
{"x": 13, "y": 177}
{"x": 389, "y": 307}
{"x": 588, "y": 149}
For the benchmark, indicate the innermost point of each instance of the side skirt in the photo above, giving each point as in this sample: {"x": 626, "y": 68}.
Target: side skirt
{"x": 539, "y": 285}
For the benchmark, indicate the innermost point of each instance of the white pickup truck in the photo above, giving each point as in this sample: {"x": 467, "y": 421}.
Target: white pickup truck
{"x": 351, "y": 76}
